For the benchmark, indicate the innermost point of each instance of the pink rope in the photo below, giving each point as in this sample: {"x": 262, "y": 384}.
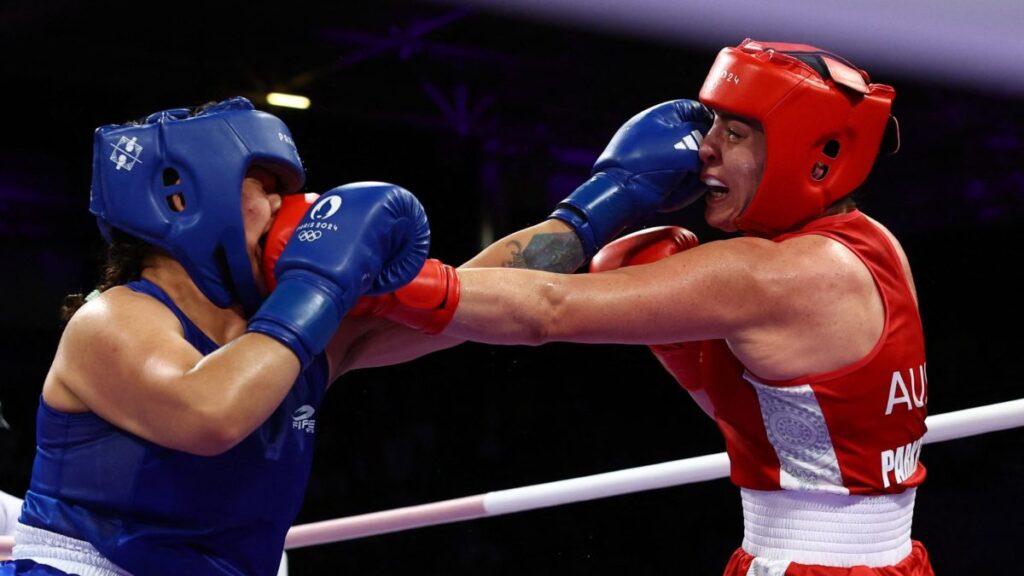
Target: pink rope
{"x": 941, "y": 427}
{"x": 6, "y": 546}
{"x": 384, "y": 522}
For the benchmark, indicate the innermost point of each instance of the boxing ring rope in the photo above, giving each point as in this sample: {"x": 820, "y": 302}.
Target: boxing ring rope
{"x": 941, "y": 427}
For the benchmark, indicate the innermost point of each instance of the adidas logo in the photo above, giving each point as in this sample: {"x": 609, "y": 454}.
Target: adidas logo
{"x": 690, "y": 142}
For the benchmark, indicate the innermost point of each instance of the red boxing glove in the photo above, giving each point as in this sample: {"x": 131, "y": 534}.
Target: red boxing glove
{"x": 643, "y": 247}
{"x": 682, "y": 360}
{"x": 293, "y": 208}
{"x": 427, "y": 303}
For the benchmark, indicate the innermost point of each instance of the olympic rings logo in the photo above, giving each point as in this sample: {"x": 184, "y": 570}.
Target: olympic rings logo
{"x": 309, "y": 235}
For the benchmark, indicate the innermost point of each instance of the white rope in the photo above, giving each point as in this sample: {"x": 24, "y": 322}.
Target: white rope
{"x": 941, "y": 427}
{"x": 974, "y": 421}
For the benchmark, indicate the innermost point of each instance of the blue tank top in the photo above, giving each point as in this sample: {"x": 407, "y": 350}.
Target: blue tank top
{"x": 153, "y": 510}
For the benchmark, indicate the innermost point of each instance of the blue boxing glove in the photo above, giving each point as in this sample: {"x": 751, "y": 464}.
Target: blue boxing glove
{"x": 369, "y": 237}
{"x": 651, "y": 164}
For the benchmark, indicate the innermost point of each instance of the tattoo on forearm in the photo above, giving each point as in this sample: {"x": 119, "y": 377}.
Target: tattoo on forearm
{"x": 515, "y": 249}
{"x": 560, "y": 252}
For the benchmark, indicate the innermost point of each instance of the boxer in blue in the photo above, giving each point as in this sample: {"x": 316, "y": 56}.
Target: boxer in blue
{"x": 176, "y": 424}
{"x": 175, "y": 427}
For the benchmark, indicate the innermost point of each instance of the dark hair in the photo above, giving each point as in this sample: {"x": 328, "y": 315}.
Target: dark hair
{"x": 846, "y": 203}
{"x": 193, "y": 111}
{"x": 122, "y": 263}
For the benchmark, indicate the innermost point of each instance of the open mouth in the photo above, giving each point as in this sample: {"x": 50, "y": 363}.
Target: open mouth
{"x": 716, "y": 188}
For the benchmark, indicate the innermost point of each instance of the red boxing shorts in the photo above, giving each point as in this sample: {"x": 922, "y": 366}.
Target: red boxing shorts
{"x": 743, "y": 564}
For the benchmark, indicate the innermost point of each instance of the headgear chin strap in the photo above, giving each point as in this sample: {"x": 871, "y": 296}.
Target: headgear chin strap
{"x": 144, "y": 172}
{"x": 823, "y": 124}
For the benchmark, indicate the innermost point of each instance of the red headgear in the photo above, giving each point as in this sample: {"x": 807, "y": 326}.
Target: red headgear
{"x": 823, "y": 124}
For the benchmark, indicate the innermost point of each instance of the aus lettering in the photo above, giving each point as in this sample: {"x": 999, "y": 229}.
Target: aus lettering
{"x": 901, "y": 463}
{"x": 908, "y": 388}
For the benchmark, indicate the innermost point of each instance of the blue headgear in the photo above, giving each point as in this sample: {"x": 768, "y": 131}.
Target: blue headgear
{"x": 203, "y": 158}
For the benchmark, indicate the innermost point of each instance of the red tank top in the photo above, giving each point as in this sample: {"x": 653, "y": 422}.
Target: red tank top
{"x": 855, "y": 430}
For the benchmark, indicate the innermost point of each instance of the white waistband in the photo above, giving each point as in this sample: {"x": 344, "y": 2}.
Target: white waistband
{"x": 827, "y": 529}
{"x": 61, "y": 552}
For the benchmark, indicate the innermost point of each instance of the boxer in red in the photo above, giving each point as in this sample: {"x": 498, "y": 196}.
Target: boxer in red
{"x": 800, "y": 336}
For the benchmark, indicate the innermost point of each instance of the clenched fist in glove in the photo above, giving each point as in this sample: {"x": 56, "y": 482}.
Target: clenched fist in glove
{"x": 426, "y": 303}
{"x": 364, "y": 238}
{"x": 651, "y": 164}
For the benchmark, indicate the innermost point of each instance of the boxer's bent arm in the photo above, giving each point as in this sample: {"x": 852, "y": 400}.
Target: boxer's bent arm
{"x": 128, "y": 362}
{"x": 371, "y": 342}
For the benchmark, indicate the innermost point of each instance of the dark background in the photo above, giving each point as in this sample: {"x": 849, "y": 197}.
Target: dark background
{"x": 490, "y": 119}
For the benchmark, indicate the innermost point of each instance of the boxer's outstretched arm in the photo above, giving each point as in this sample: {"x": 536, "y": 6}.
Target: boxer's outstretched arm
{"x": 710, "y": 291}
